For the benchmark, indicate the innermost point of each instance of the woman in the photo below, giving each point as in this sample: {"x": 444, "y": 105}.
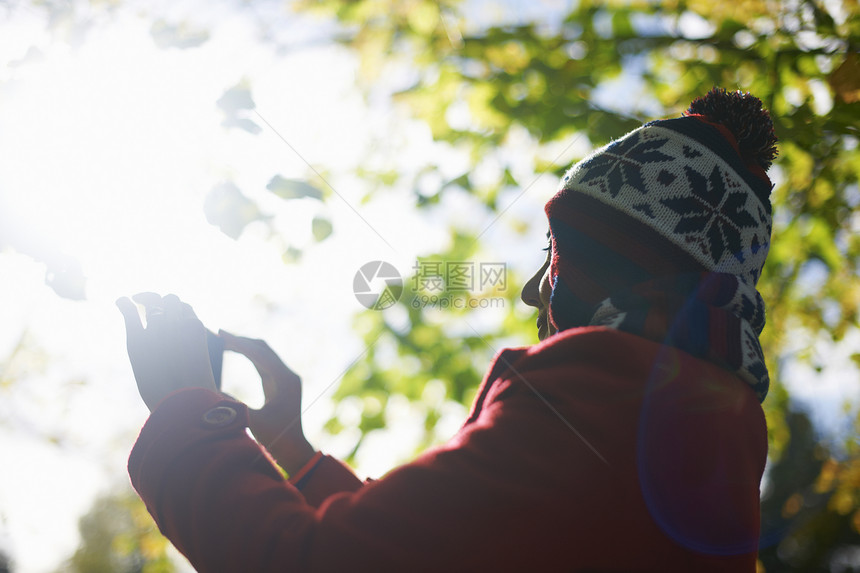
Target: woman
{"x": 630, "y": 439}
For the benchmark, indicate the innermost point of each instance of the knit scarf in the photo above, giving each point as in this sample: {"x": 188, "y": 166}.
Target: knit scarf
{"x": 713, "y": 316}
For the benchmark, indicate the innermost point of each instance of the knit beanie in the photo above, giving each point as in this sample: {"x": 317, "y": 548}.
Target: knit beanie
{"x": 680, "y": 197}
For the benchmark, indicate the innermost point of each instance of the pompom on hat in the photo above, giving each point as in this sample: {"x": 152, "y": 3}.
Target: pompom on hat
{"x": 678, "y": 206}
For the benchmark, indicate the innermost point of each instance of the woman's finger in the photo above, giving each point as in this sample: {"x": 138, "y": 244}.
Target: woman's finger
{"x": 266, "y": 363}
{"x": 187, "y": 311}
{"x": 148, "y": 299}
{"x": 153, "y": 305}
{"x": 250, "y": 347}
{"x": 273, "y": 372}
{"x": 172, "y": 306}
{"x": 133, "y": 326}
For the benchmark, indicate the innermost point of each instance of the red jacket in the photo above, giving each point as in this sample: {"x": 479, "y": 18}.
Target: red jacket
{"x": 595, "y": 450}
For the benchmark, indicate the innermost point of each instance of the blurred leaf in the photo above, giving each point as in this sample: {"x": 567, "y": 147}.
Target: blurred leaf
{"x": 236, "y": 102}
{"x": 242, "y": 123}
{"x": 227, "y": 208}
{"x": 180, "y": 35}
{"x": 424, "y": 17}
{"x": 293, "y": 188}
{"x": 845, "y": 80}
{"x": 320, "y": 228}
{"x": 236, "y": 98}
{"x": 291, "y": 255}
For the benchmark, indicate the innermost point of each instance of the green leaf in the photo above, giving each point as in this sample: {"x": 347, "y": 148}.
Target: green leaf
{"x": 230, "y": 210}
{"x": 236, "y": 102}
{"x": 293, "y": 188}
{"x": 320, "y": 228}
{"x": 242, "y": 123}
{"x": 236, "y": 98}
{"x": 180, "y": 35}
{"x": 291, "y": 255}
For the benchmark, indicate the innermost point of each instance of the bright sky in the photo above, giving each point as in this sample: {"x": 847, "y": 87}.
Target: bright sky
{"x": 109, "y": 150}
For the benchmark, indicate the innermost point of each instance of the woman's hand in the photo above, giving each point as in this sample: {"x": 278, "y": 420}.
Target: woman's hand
{"x": 171, "y": 352}
{"x": 278, "y": 424}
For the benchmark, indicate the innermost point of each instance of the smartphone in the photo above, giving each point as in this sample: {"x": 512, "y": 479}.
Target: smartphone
{"x": 216, "y": 355}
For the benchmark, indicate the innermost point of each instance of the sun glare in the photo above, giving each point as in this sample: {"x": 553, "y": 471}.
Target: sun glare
{"x": 108, "y": 152}
{"x": 107, "y": 147}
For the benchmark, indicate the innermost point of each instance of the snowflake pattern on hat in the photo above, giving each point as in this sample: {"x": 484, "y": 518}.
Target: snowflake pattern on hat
{"x": 622, "y": 162}
{"x": 683, "y": 190}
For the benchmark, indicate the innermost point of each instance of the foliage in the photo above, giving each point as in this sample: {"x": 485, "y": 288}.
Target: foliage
{"x": 439, "y": 344}
{"x": 119, "y": 536}
{"x": 810, "y": 510}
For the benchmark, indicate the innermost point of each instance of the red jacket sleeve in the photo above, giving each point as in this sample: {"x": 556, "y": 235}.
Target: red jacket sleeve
{"x": 544, "y": 476}
{"x": 328, "y": 477}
